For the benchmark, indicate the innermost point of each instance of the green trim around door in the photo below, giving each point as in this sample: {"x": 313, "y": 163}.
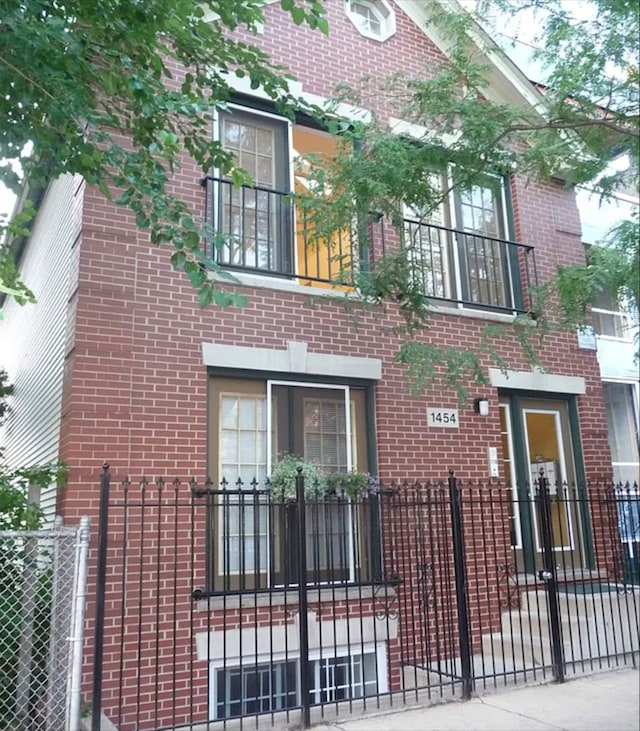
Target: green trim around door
{"x": 581, "y": 482}
{"x": 523, "y": 477}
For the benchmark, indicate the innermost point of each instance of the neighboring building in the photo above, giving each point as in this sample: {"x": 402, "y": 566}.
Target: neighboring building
{"x": 116, "y": 362}
{"x": 617, "y": 330}
{"x": 616, "y": 336}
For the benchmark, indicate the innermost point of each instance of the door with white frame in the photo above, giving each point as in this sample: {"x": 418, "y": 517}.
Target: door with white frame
{"x": 537, "y": 443}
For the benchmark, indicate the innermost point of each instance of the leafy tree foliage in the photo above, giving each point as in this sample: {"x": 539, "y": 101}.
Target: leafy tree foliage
{"x": 591, "y": 52}
{"x": 116, "y": 91}
{"x": 586, "y": 116}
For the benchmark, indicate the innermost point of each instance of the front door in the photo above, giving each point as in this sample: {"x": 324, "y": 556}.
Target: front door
{"x": 537, "y": 443}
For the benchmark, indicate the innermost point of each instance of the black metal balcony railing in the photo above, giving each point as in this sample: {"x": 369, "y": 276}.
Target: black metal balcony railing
{"x": 258, "y": 230}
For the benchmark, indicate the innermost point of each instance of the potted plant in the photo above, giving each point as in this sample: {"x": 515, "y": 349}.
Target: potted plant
{"x": 354, "y": 484}
{"x": 283, "y": 479}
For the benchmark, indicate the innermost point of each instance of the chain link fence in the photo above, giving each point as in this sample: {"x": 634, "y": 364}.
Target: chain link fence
{"x": 42, "y": 592}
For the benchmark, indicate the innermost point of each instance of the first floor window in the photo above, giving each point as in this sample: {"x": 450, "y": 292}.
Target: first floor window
{"x": 254, "y": 539}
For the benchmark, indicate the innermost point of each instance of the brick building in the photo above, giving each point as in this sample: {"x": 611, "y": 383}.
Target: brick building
{"x": 117, "y": 362}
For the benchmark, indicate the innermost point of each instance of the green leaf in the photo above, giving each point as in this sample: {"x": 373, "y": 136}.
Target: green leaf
{"x": 178, "y": 260}
{"x": 323, "y": 26}
{"x": 197, "y": 278}
{"x": 142, "y": 221}
{"x": 206, "y": 295}
{"x": 298, "y": 15}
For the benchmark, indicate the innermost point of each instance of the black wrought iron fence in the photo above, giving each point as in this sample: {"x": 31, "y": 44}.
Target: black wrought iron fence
{"x": 229, "y": 605}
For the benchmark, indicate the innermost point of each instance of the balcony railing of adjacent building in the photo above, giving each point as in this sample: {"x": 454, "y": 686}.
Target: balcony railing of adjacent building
{"x": 258, "y": 230}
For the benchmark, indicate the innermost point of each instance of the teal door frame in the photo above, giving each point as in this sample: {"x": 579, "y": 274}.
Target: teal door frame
{"x": 523, "y": 477}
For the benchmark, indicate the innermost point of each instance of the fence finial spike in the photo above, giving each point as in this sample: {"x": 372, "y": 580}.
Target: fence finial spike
{"x": 105, "y": 466}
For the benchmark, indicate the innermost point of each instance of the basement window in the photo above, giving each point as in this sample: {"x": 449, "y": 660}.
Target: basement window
{"x": 372, "y": 18}
{"x": 338, "y": 674}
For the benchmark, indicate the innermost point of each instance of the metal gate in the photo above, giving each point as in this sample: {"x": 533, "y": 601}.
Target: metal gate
{"x": 221, "y": 604}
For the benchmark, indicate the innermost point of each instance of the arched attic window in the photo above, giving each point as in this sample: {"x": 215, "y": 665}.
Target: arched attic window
{"x": 372, "y": 18}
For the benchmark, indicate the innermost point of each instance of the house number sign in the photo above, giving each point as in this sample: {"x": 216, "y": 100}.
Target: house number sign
{"x": 446, "y": 418}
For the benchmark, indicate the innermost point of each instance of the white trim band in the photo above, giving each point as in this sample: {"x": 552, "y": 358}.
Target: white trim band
{"x": 537, "y": 381}
{"x": 295, "y": 359}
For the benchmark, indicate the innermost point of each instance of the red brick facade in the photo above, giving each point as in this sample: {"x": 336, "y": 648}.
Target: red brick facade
{"x": 136, "y": 385}
{"x": 136, "y": 388}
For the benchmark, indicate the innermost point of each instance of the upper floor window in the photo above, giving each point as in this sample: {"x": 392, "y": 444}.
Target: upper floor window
{"x": 373, "y": 18}
{"x": 254, "y": 219}
{"x": 258, "y": 226}
{"x": 609, "y": 319}
{"x": 458, "y": 253}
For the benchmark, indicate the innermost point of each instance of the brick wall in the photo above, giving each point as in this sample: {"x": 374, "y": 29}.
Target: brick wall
{"x": 137, "y": 394}
{"x": 136, "y": 387}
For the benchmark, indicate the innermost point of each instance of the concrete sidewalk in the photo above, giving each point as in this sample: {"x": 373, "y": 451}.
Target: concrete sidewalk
{"x": 608, "y": 701}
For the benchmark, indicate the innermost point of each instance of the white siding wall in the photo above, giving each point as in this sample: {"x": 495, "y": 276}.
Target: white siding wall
{"x": 32, "y": 338}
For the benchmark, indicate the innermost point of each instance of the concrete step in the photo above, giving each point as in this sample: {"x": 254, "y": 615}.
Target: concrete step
{"x": 591, "y": 625}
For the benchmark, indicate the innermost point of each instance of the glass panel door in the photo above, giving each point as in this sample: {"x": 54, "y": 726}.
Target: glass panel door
{"x": 314, "y": 422}
{"x": 484, "y": 266}
{"x": 255, "y": 219}
{"x": 537, "y": 441}
{"x": 546, "y": 457}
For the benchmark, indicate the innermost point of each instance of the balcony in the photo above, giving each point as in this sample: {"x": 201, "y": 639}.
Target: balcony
{"x": 258, "y": 230}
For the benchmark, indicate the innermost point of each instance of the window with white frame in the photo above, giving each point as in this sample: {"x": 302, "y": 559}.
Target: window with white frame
{"x": 483, "y": 254}
{"x": 427, "y": 247}
{"x": 342, "y": 678}
{"x": 506, "y": 437}
{"x": 245, "y": 691}
{"x": 372, "y": 18}
{"x": 254, "y": 541}
{"x": 243, "y": 455}
{"x": 458, "y": 253}
{"x": 621, "y": 404}
{"x": 609, "y": 319}
{"x": 336, "y": 674}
